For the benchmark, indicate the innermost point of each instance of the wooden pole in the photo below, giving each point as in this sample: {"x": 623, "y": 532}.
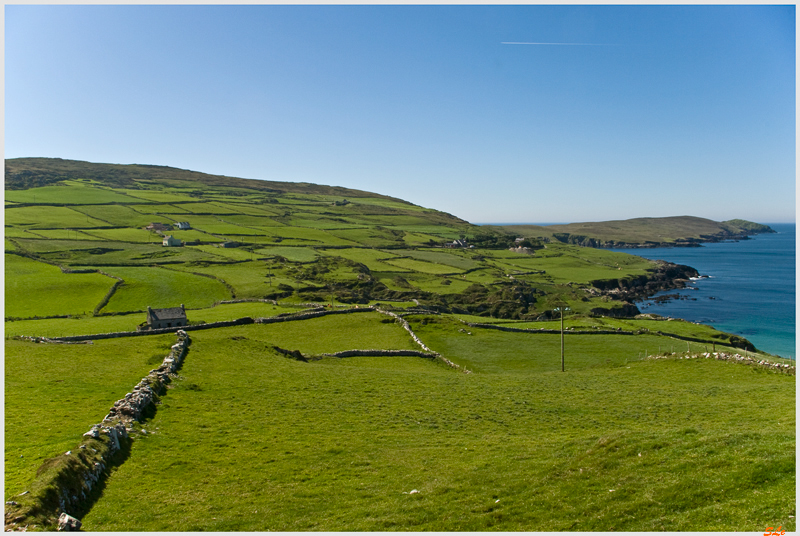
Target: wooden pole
{"x": 562, "y": 339}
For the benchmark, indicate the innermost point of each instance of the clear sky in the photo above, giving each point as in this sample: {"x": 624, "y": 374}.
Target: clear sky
{"x": 492, "y": 113}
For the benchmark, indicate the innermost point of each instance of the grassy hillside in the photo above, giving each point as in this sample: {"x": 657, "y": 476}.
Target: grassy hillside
{"x": 251, "y": 438}
{"x": 642, "y": 232}
{"x": 293, "y": 241}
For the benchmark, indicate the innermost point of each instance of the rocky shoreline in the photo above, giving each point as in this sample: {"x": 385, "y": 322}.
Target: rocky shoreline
{"x": 665, "y": 276}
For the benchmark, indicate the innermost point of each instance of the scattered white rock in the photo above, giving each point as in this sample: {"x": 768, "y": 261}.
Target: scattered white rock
{"x": 68, "y": 523}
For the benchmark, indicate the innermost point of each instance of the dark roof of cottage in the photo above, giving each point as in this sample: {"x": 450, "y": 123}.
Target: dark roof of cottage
{"x": 168, "y": 314}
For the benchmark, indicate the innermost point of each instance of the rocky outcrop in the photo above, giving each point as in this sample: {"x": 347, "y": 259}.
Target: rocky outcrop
{"x": 665, "y": 276}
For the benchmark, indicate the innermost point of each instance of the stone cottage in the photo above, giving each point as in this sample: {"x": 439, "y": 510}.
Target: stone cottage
{"x": 165, "y": 318}
{"x": 171, "y": 241}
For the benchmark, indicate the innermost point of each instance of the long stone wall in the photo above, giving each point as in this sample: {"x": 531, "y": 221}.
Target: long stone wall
{"x": 552, "y": 331}
{"x": 403, "y": 322}
{"x": 65, "y": 483}
{"x": 734, "y": 358}
{"x": 160, "y": 331}
{"x": 376, "y": 353}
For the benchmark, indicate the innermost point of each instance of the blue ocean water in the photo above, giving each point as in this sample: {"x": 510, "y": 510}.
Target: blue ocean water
{"x": 750, "y": 290}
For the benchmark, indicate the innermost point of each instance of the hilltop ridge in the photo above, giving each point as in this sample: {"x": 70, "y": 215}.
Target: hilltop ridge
{"x": 673, "y": 231}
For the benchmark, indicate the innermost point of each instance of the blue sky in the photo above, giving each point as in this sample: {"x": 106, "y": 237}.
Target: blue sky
{"x": 634, "y": 111}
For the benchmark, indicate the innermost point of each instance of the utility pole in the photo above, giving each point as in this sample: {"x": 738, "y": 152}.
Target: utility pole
{"x": 562, "y": 309}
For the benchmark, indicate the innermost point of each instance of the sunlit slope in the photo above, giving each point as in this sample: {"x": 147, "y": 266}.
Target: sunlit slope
{"x": 287, "y": 241}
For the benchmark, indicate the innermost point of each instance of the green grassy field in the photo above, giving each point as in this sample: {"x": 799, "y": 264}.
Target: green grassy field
{"x": 665, "y": 445}
{"x": 54, "y": 217}
{"x": 72, "y": 192}
{"x": 38, "y": 289}
{"x": 250, "y": 439}
{"x": 162, "y": 288}
{"x": 55, "y": 393}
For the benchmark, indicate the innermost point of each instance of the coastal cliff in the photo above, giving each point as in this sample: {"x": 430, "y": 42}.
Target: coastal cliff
{"x": 666, "y": 276}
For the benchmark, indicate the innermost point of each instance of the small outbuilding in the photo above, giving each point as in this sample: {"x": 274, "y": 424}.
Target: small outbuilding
{"x": 171, "y": 241}
{"x": 165, "y": 318}
{"x": 183, "y": 225}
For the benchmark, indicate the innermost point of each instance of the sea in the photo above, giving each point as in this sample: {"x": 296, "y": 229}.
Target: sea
{"x": 749, "y": 291}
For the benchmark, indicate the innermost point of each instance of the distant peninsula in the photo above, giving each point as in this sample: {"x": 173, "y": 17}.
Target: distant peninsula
{"x": 675, "y": 231}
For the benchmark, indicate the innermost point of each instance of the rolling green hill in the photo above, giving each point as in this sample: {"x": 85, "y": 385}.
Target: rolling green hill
{"x": 299, "y": 242}
{"x": 643, "y": 232}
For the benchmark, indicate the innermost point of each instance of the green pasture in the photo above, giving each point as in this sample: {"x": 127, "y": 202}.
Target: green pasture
{"x": 422, "y": 266}
{"x": 158, "y": 288}
{"x": 215, "y": 225}
{"x": 445, "y": 232}
{"x": 203, "y": 207}
{"x": 159, "y": 196}
{"x": 250, "y": 220}
{"x": 325, "y": 223}
{"x": 18, "y": 232}
{"x": 485, "y": 276}
{"x": 126, "y": 235}
{"x": 386, "y": 203}
{"x": 63, "y": 248}
{"x": 391, "y": 220}
{"x": 493, "y": 351}
{"x": 55, "y": 392}
{"x": 190, "y": 235}
{"x": 65, "y": 327}
{"x": 249, "y": 279}
{"x": 371, "y": 258}
{"x": 371, "y": 237}
{"x": 419, "y": 239}
{"x": 85, "y": 253}
{"x": 63, "y": 234}
{"x": 49, "y": 217}
{"x": 440, "y": 257}
{"x": 339, "y": 444}
{"x": 251, "y": 209}
{"x": 439, "y": 285}
{"x": 117, "y": 215}
{"x": 294, "y": 254}
{"x": 314, "y": 235}
{"x": 162, "y": 213}
{"x": 72, "y": 194}
{"x": 234, "y": 254}
{"x": 37, "y": 289}
{"x": 567, "y": 265}
{"x": 390, "y": 280}
{"x": 232, "y": 311}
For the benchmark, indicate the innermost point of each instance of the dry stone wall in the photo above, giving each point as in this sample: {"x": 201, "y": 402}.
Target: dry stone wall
{"x": 66, "y": 482}
{"x": 734, "y": 358}
{"x": 552, "y": 331}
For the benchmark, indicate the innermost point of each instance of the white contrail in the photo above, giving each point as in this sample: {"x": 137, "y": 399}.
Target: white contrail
{"x": 563, "y": 44}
